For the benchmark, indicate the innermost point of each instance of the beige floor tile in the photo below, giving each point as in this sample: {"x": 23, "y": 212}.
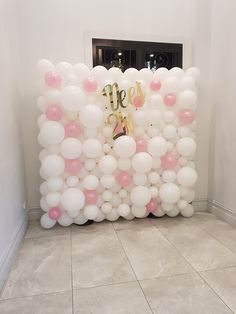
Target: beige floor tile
{"x": 121, "y": 223}
{"x": 114, "y": 299}
{"x": 35, "y": 230}
{"x": 198, "y": 247}
{"x": 60, "y": 303}
{"x": 223, "y": 281}
{"x": 203, "y": 216}
{"x": 43, "y": 265}
{"x": 150, "y": 254}
{"x": 182, "y": 294}
{"x": 98, "y": 257}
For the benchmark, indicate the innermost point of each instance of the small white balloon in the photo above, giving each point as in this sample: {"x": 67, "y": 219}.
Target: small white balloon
{"x": 139, "y": 211}
{"x": 153, "y": 177}
{"x": 169, "y": 131}
{"x": 123, "y": 210}
{"x": 183, "y": 131}
{"x": 90, "y": 182}
{"x": 154, "y": 191}
{"x": 131, "y": 74}
{"x": 168, "y": 176}
{"x": 44, "y": 205}
{"x": 194, "y": 73}
{"x": 107, "y": 195}
{"x": 107, "y": 131}
{"x": 43, "y": 189}
{"x": 52, "y": 132}
{"x": 107, "y": 164}
{"x": 123, "y": 193}
{"x": 81, "y": 71}
{"x": 72, "y": 98}
{"x": 91, "y": 212}
{"x": 124, "y": 164}
{"x": 90, "y": 164}
{"x": 72, "y": 181}
{"x": 187, "y": 211}
{"x": 92, "y": 148}
{"x": 107, "y": 181}
{"x": 44, "y": 66}
{"x": 46, "y": 222}
{"x": 169, "y": 116}
{"x": 65, "y": 220}
{"x": 116, "y": 200}
{"x": 170, "y": 85}
{"x": 161, "y": 74}
{"x": 80, "y": 219}
{"x": 53, "y": 199}
{"x": 182, "y": 204}
{"x": 187, "y": 100}
{"x": 140, "y": 118}
{"x": 113, "y": 215}
{"x": 106, "y": 208}
{"x": 139, "y": 178}
{"x": 173, "y": 213}
{"x": 54, "y": 183}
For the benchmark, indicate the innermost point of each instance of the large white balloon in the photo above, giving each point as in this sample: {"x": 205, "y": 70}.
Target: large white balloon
{"x": 187, "y": 176}
{"x": 124, "y": 164}
{"x": 54, "y": 183}
{"x": 81, "y": 71}
{"x": 108, "y": 164}
{"x": 72, "y": 199}
{"x": 169, "y": 193}
{"x": 157, "y": 146}
{"x": 139, "y": 211}
{"x": 90, "y": 182}
{"x": 123, "y": 210}
{"x": 71, "y": 148}
{"x": 142, "y": 162}
{"x": 187, "y": 100}
{"x": 72, "y": 98}
{"x": 194, "y": 73}
{"x": 91, "y": 212}
{"x": 139, "y": 178}
{"x": 124, "y": 146}
{"x": 44, "y": 66}
{"x": 65, "y": 220}
{"x": 91, "y": 116}
{"x": 53, "y": 199}
{"x": 92, "y": 148}
{"x": 187, "y": 211}
{"x": 52, "y": 133}
{"x": 186, "y": 147}
{"x": 140, "y": 196}
{"x": 140, "y": 118}
{"x": 107, "y": 181}
{"x": 53, "y": 165}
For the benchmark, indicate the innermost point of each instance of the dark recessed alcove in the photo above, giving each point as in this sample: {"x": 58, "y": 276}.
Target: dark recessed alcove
{"x": 138, "y": 54}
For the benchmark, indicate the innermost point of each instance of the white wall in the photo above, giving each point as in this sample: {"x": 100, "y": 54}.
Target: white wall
{"x": 62, "y": 30}
{"x": 222, "y": 184}
{"x": 12, "y": 214}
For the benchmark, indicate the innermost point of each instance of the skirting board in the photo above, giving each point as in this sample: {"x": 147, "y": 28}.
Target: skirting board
{"x": 222, "y": 212}
{"x": 8, "y": 258}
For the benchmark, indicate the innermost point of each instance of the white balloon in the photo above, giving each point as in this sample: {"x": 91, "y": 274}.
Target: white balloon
{"x": 81, "y": 71}
{"x": 91, "y": 212}
{"x": 169, "y": 193}
{"x": 158, "y": 213}
{"x": 169, "y": 116}
{"x": 52, "y": 96}
{"x": 43, "y": 153}
{"x": 186, "y": 146}
{"x": 53, "y": 165}
{"x": 90, "y": 182}
{"x": 194, "y": 73}
{"x": 156, "y": 163}
{"x": 169, "y": 131}
{"x": 161, "y": 74}
{"x": 139, "y": 178}
{"x": 100, "y": 73}
{"x": 187, "y": 211}
{"x": 140, "y": 118}
{"x": 131, "y": 74}
{"x": 170, "y": 84}
{"x": 183, "y": 131}
{"x": 142, "y": 162}
{"x": 182, "y": 204}
{"x": 153, "y": 177}
{"x": 47, "y": 222}
{"x": 107, "y": 181}
{"x": 107, "y": 195}
{"x": 187, "y": 83}
{"x": 72, "y": 199}
{"x": 90, "y": 164}
{"x": 155, "y": 117}
{"x": 140, "y": 196}
{"x": 73, "y": 214}
{"x": 154, "y": 191}
{"x": 113, "y": 215}
{"x": 116, "y": 200}
{"x": 187, "y": 100}
{"x": 167, "y": 206}
{"x": 106, "y": 148}
{"x": 177, "y": 72}
{"x": 52, "y": 132}
{"x": 187, "y": 176}
{"x": 123, "y": 193}
{"x": 100, "y": 217}
{"x": 92, "y": 148}
{"x": 124, "y": 146}
{"x": 43, "y": 189}
{"x": 123, "y": 210}
{"x": 155, "y": 101}
{"x": 107, "y": 131}
{"x": 72, "y": 181}
{"x": 65, "y": 220}
{"x": 90, "y": 133}
{"x": 146, "y": 75}
{"x": 64, "y": 68}
{"x": 124, "y": 164}
{"x": 173, "y": 213}
{"x": 41, "y": 120}
{"x": 115, "y": 74}
{"x": 72, "y": 98}
{"x": 106, "y": 208}
{"x": 157, "y": 146}
{"x": 91, "y": 116}
{"x": 168, "y": 176}
{"x": 107, "y": 164}
{"x": 139, "y": 211}
{"x": 44, "y": 205}
{"x": 139, "y": 131}
{"x": 53, "y": 199}
{"x": 44, "y": 66}
{"x": 71, "y": 148}
{"x": 54, "y": 183}
{"x": 80, "y": 219}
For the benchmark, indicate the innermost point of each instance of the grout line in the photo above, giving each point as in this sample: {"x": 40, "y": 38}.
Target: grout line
{"x": 132, "y": 269}
{"x": 105, "y": 285}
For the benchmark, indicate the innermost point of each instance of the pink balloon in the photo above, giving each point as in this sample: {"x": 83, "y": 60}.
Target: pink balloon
{"x": 54, "y": 213}
{"x": 170, "y": 100}
{"x": 124, "y": 179}
{"x": 137, "y": 101}
{"x": 90, "y": 85}
{"x": 72, "y": 129}
{"x": 73, "y": 166}
{"x": 52, "y": 79}
{"x": 91, "y": 197}
{"x": 152, "y": 206}
{"x": 168, "y": 161}
{"x": 54, "y": 112}
{"x": 141, "y": 145}
{"x": 186, "y": 116}
{"x": 155, "y": 85}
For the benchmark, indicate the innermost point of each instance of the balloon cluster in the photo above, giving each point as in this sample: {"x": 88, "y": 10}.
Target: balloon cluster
{"x": 115, "y": 144}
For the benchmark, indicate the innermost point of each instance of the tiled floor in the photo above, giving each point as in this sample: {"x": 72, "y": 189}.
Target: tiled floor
{"x": 166, "y": 265}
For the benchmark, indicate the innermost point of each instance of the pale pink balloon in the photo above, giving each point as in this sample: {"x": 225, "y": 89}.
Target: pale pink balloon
{"x": 155, "y": 85}
{"x": 137, "y": 101}
{"x": 152, "y": 206}
{"x": 124, "y": 179}
{"x": 54, "y": 213}
{"x": 170, "y": 100}
{"x": 90, "y": 85}
{"x": 168, "y": 161}
{"x": 72, "y": 129}
{"x": 73, "y": 166}
{"x": 186, "y": 116}
{"x": 91, "y": 197}
{"x": 141, "y": 145}
{"x": 54, "y": 112}
{"x": 52, "y": 79}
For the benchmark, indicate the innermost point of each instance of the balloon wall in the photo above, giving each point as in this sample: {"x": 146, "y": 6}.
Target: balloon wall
{"x": 115, "y": 144}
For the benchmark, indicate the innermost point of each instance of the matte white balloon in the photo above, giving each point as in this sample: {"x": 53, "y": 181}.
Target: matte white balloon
{"x": 139, "y": 178}
{"x": 123, "y": 210}
{"x": 187, "y": 211}
{"x": 125, "y": 146}
{"x": 54, "y": 183}
{"x": 91, "y": 116}
{"x": 47, "y": 222}
{"x": 153, "y": 177}
{"x": 140, "y": 196}
{"x": 89, "y": 164}
{"x": 72, "y": 181}
{"x": 107, "y": 164}
{"x": 65, "y": 220}
{"x": 157, "y": 146}
{"x": 106, "y": 208}
{"x": 107, "y": 181}
{"x": 169, "y": 193}
{"x": 92, "y": 148}
{"x": 187, "y": 100}
{"x": 139, "y": 211}
{"x": 187, "y": 176}
{"x": 91, "y": 212}
{"x": 71, "y": 148}
{"x": 52, "y": 132}
{"x": 142, "y": 162}
{"x": 53, "y": 165}
{"x": 72, "y": 199}
{"x": 90, "y": 182}
{"x": 80, "y": 219}
{"x": 186, "y": 146}
{"x": 53, "y": 199}
{"x": 72, "y": 98}
{"x": 124, "y": 164}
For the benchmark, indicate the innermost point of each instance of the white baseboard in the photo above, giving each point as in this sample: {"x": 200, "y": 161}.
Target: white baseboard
{"x": 222, "y": 212}
{"x": 10, "y": 253}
